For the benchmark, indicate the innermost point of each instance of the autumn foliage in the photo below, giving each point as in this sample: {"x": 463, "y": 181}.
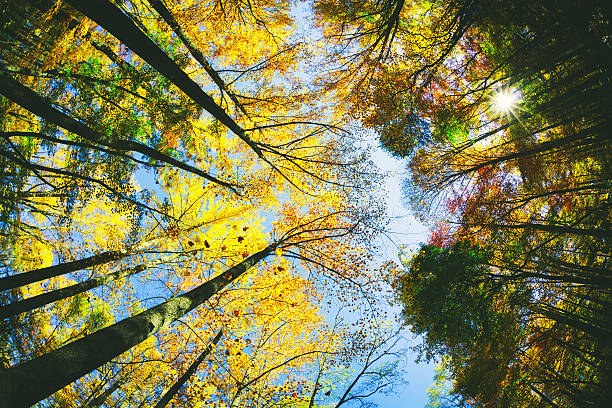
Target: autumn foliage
{"x": 185, "y": 220}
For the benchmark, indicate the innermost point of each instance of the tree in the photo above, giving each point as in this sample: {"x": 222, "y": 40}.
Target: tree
{"x": 192, "y": 368}
{"x": 490, "y": 325}
{"x": 527, "y": 180}
{"x": 84, "y": 117}
{"x": 77, "y": 358}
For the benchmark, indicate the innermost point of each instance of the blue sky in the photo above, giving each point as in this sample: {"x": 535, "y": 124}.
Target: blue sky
{"x": 405, "y": 231}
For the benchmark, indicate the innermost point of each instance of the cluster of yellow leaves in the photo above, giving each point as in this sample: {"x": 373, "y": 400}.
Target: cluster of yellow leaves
{"x": 273, "y": 331}
{"x": 234, "y": 33}
{"x": 31, "y": 253}
{"x": 101, "y": 224}
{"x": 274, "y": 327}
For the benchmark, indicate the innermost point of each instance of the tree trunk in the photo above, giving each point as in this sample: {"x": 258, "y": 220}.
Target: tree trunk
{"x": 36, "y": 168}
{"x": 542, "y": 396}
{"x": 101, "y": 399}
{"x": 37, "y": 275}
{"x": 192, "y": 368}
{"x": 166, "y": 14}
{"x": 557, "y": 229}
{"x": 110, "y": 17}
{"x": 570, "y": 319}
{"x": 558, "y": 276}
{"x": 592, "y": 132}
{"x": 30, "y": 100}
{"x": 36, "y": 379}
{"x": 59, "y": 294}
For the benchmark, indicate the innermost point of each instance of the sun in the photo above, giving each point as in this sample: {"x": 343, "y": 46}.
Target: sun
{"x": 505, "y": 100}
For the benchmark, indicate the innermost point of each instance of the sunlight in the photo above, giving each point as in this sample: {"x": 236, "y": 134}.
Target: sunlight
{"x": 505, "y": 100}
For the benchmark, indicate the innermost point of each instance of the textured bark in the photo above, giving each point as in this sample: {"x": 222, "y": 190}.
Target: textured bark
{"x": 192, "y": 368}
{"x": 28, "y": 383}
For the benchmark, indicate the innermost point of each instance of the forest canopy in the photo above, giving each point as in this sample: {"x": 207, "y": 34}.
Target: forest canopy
{"x": 190, "y": 214}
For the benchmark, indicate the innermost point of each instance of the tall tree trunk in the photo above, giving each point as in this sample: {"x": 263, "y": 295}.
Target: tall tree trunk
{"x": 542, "y": 396}
{"x": 24, "y": 385}
{"x": 113, "y": 20}
{"x": 591, "y": 135}
{"x": 30, "y": 100}
{"x": 166, "y": 14}
{"x": 557, "y": 229}
{"x": 63, "y": 293}
{"x": 101, "y": 399}
{"x": 38, "y": 168}
{"x": 137, "y": 77}
{"x": 37, "y": 275}
{"x": 130, "y": 399}
{"x": 192, "y": 368}
{"x": 558, "y": 276}
{"x": 572, "y": 320}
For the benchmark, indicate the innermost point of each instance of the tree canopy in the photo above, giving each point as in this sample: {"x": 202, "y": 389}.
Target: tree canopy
{"x": 185, "y": 220}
